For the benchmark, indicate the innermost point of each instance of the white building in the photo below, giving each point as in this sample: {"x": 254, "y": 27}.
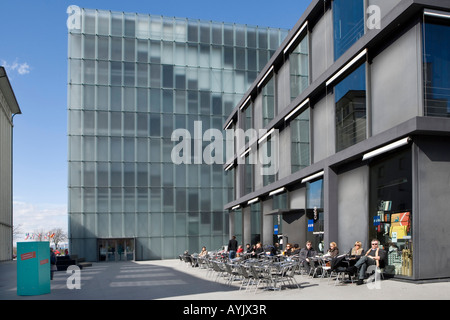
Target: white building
{"x": 9, "y": 107}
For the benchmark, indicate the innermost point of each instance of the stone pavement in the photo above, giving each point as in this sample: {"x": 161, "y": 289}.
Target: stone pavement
{"x": 174, "y": 280}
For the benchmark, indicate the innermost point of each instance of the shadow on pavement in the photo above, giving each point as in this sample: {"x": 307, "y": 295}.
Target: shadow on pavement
{"x": 115, "y": 280}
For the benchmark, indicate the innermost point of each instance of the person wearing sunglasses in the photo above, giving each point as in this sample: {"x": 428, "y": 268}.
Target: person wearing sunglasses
{"x": 374, "y": 256}
{"x": 357, "y": 251}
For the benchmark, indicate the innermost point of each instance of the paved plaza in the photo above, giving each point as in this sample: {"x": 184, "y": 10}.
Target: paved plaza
{"x": 175, "y": 280}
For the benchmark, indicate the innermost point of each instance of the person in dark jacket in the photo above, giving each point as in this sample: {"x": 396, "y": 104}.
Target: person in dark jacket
{"x": 306, "y": 254}
{"x": 333, "y": 251}
{"x": 258, "y": 250}
{"x": 232, "y": 247}
{"x": 52, "y": 263}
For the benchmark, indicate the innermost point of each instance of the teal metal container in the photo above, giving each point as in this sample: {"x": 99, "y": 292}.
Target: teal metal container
{"x": 33, "y": 268}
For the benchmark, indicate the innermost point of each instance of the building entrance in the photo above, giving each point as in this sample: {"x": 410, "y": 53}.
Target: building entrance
{"x": 121, "y": 249}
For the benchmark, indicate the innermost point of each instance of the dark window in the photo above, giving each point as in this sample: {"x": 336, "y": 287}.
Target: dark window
{"x": 436, "y": 60}
{"x": 390, "y": 214}
{"x": 350, "y": 98}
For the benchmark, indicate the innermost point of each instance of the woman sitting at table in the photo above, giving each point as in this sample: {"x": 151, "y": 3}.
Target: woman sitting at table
{"x": 288, "y": 250}
{"x": 204, "y": 252}
{"x": 347, "y": 261}
{"x": 258, "y": 250}
{"x": 333, "y": 251}
{"x": 357, "y": 251}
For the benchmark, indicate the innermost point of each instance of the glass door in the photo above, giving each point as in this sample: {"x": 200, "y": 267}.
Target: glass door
{"x": 315, "y": 214}
{"x": 116, "y": 249}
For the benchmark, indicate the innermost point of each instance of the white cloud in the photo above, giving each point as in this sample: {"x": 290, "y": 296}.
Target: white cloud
{"x": 24, "y": 68}
{"x": 39, "y": 217}
{"x": 20, "y": 68}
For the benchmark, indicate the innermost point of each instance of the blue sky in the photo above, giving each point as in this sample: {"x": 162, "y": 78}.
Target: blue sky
{"x": 34, "y": 52}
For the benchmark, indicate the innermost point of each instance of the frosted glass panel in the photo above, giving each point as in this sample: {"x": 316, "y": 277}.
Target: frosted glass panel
{"x": 142, "y": 26}
{"x": 133, "y": 79}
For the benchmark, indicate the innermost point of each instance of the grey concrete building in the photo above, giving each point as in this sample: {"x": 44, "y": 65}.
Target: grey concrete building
{"x": 8, "y": 109}
{"x": 356, "y": 103}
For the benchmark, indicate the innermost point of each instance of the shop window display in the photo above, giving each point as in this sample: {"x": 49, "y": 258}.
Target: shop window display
{"x": 391, "y": 210}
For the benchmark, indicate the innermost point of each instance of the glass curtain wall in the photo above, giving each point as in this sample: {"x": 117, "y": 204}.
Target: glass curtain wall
{"x": 133, "y": 80}
{"x": 436, "y": 66}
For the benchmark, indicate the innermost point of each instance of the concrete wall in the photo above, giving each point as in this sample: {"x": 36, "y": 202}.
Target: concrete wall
{"x": 396, "y": 82}
{"x": 294, "y": 226}
{"x": 353, "y": 215}
{"x": 323, "y": 138}
{"x": 6, "y": 228}
{"x": 322, "y": 46}
{"x": 432, "y": 219}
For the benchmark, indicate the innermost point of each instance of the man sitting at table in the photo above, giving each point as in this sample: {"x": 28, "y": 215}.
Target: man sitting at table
{"x": 306, "y": 254}
{"x": 375, "y": 256}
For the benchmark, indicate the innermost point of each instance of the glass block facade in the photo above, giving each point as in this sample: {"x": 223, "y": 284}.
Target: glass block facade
{"x": 133, "y": 80}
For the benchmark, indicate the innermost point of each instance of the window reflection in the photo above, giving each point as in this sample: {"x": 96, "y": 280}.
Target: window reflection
{"x": 300, "y": 154}
{"x": 350, "y": 98}
{"x": 268, "y": 96}
{"x": 299, "y": 68}
{"x": 348, "y": 24}
{"x": 315, "y": 214}
{"x": 436, "y": 60}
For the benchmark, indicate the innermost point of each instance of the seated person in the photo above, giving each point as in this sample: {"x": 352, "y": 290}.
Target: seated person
{"x": 357, "y": 251}
{"x": 270, "y": 250}
{"x": 248, "y": 248}
{"x": 375, "y": 256}
{"x": 306, "y": 254}
{"x": 258, "y": 250}
{"x": 333, "y": 251}
{"x": 204, "y": 252}
{"x": 288, "y": 250}
{"x": 296, "y": 249}
{"x": 240, "y": 251}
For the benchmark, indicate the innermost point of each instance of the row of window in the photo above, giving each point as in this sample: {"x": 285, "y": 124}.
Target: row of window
{"x": 349, "y": 100}
{"x": 143, "y": 100}
{"x": 129, "y": 174}
{"x": 150, "y": 26}
{"x": 132, "y": 124}
{"x": 174, "y": 54}
{"x": 134, "y": 200}
{"x": 147, "y": 225}
{"x": 126, "y": 75}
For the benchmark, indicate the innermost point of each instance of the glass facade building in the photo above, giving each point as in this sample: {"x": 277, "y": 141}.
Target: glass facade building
{"x": 133, "y": 80}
